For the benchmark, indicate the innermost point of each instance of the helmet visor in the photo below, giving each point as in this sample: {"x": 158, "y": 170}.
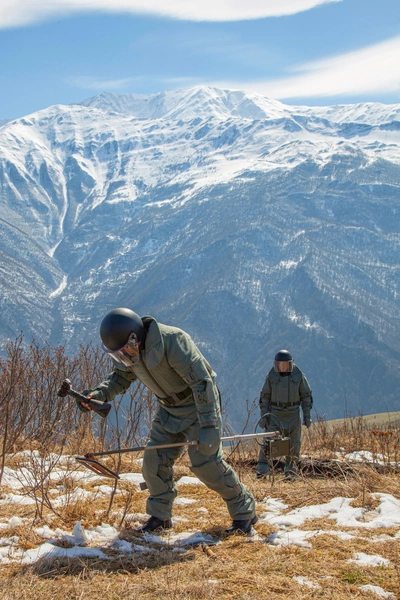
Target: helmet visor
{"x": 129, "y": 354}
{"x": 283, "y": 366}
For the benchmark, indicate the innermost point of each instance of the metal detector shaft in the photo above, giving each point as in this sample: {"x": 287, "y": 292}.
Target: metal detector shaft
{"x": 97, "y": 467}
{"x": 229, "y": 438}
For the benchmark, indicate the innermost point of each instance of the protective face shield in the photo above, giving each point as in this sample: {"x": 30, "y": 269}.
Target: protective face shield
{"x": 129, "y": 354}
{"x": 283, "y": 366}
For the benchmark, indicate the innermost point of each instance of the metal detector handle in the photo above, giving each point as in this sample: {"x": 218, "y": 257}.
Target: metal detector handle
{"x": 90, "y": 401}
{"x": 100, "y": 408}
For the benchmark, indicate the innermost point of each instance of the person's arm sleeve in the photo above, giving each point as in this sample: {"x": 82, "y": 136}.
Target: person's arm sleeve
{"x": 184, "y": 357}
{"x": 265, "y": 398}
{"x": 306, "y": 398}
{"x": 116, "y": 383}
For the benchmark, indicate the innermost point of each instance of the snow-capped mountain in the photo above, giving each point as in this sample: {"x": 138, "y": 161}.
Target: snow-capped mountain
{"x": 251, "y": 224}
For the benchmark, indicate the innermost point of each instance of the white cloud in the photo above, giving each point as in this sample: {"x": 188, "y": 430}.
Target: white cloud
{"x": 91, "y": 83}
{"x": 24, "y": 12}
{"x": 375, "y": 69}
{"x": 119, "y": 85}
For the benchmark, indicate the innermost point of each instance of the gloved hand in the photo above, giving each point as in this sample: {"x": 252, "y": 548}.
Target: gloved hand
{"x": 79, "y": 403}
{"x": 209, "y": 440}
{"x": 307, "y": 421}
{"x": 263, "y": 422}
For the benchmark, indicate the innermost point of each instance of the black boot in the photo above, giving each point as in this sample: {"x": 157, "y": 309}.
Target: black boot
{"x": 154, "y": 524}
{"x": 241, "y": 526}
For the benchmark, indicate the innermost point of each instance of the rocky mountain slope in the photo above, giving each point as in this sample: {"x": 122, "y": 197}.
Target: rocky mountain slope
{"x": 251, "y": 224}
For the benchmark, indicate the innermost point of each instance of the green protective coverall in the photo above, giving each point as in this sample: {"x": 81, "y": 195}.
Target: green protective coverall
{"x": 174, "y": 369}
{"x": 280, "y": 401}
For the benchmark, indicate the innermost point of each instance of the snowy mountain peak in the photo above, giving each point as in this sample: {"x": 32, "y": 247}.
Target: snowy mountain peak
{"x": 206, "y": 102}
{"x": 252, "y": 224}
{"x": 201, "y": 101}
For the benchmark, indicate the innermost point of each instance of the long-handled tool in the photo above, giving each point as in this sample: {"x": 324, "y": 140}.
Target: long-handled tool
{"x": 100, "y": 408}
{"x": 91, "y": 463}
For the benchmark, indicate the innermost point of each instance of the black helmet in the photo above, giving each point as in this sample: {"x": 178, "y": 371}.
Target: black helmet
{"x": 117, "y": 326}
{"x": 283, "y": 356}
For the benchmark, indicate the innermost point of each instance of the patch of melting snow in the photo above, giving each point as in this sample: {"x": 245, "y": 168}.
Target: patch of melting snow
{"x": 369, "y": 457}
{"x": 49, "y": 551}
{"x": 182, "y": 501}
{"x": 17, "y": 499}
{"x": 105, "y": 490}
{"x": 273, "y": 504}
{"x": 181, "y": 539}
{"x": 378, "y": 591}
{"x": 13, "y": 522}
{"x": 307, "y": 583}
{"x": 369, "y": 560}
{"x": 135, "y": 478}
{"x": 294, "y": 537}
{"x": 79, "y": 494}
{"x": 186, "y": 480}
{"x": 139, "y": 548}
{"x": 385, "y": 516}
{"x": 45, "y": 532}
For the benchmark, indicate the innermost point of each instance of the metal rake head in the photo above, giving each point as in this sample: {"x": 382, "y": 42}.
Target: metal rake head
{"x": 96, "y": 466}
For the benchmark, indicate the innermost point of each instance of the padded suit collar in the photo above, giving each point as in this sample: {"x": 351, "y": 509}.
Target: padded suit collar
{"x": 153, "y": 350}
{"x": 295, "y": 375}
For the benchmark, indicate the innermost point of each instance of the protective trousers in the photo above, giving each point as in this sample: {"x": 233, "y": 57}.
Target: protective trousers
{"x": 212, "y": 470}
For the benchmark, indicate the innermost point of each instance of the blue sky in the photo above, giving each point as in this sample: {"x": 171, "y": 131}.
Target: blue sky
{"x": 314, "y": 52}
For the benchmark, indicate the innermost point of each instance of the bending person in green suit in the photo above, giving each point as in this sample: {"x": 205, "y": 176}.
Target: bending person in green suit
{"x": 166, "y": 360}
{"x": 285, "y": 390}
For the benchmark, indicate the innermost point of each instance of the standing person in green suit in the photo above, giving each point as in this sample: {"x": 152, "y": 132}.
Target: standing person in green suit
{"x": 167, "y": 361}
{"x": 284, "y": 392}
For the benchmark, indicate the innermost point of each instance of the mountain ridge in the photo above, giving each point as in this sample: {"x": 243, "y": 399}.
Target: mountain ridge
{"x": 251, "y": 233}
{"x": 225, "y": 100}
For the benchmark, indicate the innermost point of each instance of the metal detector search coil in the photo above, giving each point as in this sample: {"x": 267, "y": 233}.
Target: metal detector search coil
{"x": 276, "y": 448}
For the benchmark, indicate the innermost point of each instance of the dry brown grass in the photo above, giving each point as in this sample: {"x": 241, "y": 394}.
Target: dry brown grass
{"x": 237, "y": 567}
{"x": 379, "y": 434}
{"x": 382, "y": 420}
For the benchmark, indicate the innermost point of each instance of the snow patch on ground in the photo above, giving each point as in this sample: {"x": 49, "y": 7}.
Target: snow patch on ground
{"x": 378, "y": 591}
{"x": 307, "y": 583}
{"x": 369, "y": 560}
{"x": 94, "y": 541}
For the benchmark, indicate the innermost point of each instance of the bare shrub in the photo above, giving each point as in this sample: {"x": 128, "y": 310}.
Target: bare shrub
{"x": 34, "y": 418}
